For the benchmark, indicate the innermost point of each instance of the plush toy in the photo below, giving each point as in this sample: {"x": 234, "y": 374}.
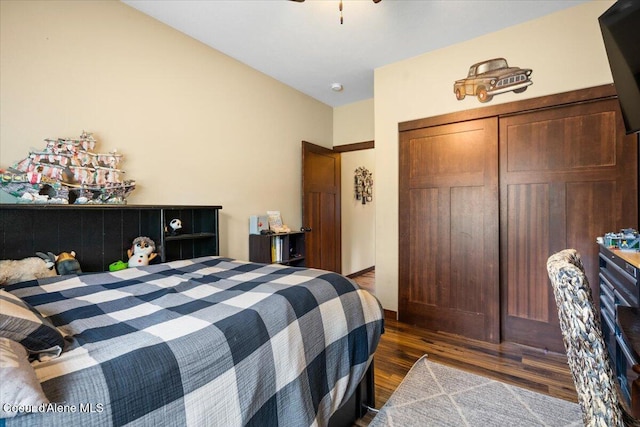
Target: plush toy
{"x": 65, "y": 262}
{"x": 118, "y": 265}
{"x": 14, "y": 271}
{"x": 175, "y": 225}
{"x": 142, "y": 251}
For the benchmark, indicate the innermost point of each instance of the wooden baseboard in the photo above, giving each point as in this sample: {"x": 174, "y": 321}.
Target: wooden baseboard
{"x": 361, "y": 272}
{"x": 391, "y": 315}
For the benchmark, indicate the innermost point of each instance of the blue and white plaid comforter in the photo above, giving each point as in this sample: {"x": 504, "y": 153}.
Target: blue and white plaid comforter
{"x": 204, "y": 342}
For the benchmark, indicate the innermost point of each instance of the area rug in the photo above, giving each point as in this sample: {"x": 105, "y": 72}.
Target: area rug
{"x": 433, "y": 394}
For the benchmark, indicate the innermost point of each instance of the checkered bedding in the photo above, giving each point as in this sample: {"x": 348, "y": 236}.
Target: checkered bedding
{"x": 204, "y": 342}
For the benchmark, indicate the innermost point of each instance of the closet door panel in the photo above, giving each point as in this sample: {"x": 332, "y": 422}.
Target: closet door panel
{"x": 562, "y": 144}
{"x": 589, "y": 200}
{"x": 528, "y": 241}
{"x": 424, "y": 240}
{"x": 467, "y": 237}
{"x": 567, "y": 175}
{"x": 449, "y": 229}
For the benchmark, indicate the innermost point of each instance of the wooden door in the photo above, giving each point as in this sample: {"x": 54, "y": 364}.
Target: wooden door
{"x": 448, "y": 242}
{"x": 567, "y": 175}
{"x": 321, "y": 207}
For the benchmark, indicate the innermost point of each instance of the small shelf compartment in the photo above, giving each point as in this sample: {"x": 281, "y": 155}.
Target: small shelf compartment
{"x": 189, "y": 236}
{"x": 280, "y": 248}
{"x": 197, "y": 237}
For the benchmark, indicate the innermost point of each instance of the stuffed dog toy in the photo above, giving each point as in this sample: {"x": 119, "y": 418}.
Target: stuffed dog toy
{"x": 65, "y": 262}
{"x": 15, "y": 271}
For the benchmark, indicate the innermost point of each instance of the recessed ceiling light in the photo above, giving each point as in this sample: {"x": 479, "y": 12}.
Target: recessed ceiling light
{"x": 336, "y": 87}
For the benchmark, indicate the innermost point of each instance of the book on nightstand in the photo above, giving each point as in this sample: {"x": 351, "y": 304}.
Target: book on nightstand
{"x": 257, "y": 223}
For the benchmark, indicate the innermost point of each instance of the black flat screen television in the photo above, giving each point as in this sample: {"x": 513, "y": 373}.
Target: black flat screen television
{"x": 620, "y": 27}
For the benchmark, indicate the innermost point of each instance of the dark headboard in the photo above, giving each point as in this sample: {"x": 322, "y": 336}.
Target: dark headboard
{"x": 101, "y": 234}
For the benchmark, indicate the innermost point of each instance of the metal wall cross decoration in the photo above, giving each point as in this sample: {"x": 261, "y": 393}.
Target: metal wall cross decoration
{"x": 364, "y": 185}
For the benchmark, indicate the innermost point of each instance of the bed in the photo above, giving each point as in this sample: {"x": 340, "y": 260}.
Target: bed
{"x": 201, "y": 342}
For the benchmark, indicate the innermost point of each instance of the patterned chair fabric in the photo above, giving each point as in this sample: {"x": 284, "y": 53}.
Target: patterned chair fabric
{"x": 586, "y": 350}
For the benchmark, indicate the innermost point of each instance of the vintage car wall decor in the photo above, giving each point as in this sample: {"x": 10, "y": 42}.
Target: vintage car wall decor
{"x": 491, "y": 77}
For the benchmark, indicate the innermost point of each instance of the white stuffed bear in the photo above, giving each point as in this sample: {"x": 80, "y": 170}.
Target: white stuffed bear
{"x": 15, "y": 271}
{"x": 142, "y": 251}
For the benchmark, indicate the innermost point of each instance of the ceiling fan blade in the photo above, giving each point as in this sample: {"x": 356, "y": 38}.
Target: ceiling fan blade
{"x": 375, "y": 1}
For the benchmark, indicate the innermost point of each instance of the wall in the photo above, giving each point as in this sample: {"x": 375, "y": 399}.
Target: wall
{"x": 565, "y": 51}
{"x": 194, "y": 126}
{"x": 353, "y": 123}
{"x": 358, "y": 220}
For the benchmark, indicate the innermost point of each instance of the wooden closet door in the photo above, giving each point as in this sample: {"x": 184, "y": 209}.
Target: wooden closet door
{"x": 448, "y": 235}
{"x": 567, "y": 175}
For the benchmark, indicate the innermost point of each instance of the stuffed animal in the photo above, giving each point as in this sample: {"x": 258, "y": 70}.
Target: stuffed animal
{"x": 118, "y": 265}
{"x": 15, "y": 271}
{"x": 65, "y": 262}
{"x": 142, "y": 251}
{"x": 175, "y": 225}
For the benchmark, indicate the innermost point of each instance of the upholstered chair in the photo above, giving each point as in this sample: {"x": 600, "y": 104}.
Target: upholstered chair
{"x": 587, "y": 354}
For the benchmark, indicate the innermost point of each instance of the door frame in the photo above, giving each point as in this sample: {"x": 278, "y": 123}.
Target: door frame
{"x": 365, "y": 145}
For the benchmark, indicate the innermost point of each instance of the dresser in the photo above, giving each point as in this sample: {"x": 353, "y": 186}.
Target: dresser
{"x": 620, "y": 315}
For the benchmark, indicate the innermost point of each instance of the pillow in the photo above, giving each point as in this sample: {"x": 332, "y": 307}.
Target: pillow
{"x": 24, "y": 324}
{"x": 20, "y": 386}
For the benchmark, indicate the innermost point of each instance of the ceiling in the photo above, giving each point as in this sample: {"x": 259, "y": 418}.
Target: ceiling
{"x": 303, "y": 45}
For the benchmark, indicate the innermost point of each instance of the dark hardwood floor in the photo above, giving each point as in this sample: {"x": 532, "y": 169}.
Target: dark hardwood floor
{"x": 401, "y": 345}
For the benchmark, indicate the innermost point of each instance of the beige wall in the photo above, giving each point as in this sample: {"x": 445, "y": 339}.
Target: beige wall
{"x": 195, "y": 126}
{"x": 353, "y": 123}
{"x": 565, "y": 51}
{"x": 358, "y": 220}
